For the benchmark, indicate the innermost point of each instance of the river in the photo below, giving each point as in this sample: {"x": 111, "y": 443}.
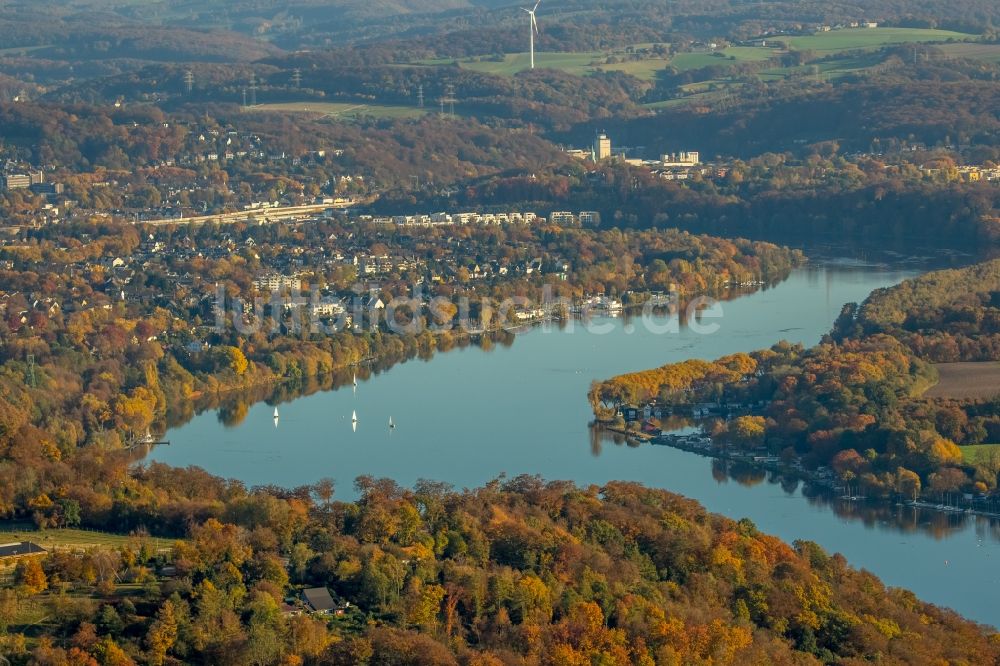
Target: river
{"x": 470, "y": 415}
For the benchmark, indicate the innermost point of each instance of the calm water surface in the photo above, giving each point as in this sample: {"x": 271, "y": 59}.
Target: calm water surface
{"x": 469, "y": 415}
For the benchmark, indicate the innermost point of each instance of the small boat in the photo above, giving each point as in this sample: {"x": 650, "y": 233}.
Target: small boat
{"x": 275, "y": 412}
{"x": 354, "y": 421}
{"x": 355, "y": 380}
{"x": 391, "y": 424}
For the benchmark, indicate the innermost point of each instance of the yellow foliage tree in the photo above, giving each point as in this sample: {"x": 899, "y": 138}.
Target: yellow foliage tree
{"x": 162, "y": 634}
{"x": 30, "y": 577}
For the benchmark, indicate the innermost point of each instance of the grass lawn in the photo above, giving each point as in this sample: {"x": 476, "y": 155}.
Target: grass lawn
{"x": 977, "y": 453}
{"x": 868, "y": 38}
{"x": 341, "y": 109}
{"x": 69, "y": 538}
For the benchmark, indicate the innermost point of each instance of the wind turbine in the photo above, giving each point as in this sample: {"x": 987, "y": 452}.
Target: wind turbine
{"x": 532, "y": 29}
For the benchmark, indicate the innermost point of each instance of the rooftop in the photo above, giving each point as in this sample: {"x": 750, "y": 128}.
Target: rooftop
{"x": 319, "y": 598}
{"x": 20, "y": 548}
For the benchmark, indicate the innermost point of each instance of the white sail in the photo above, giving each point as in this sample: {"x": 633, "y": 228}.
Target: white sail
{"x": 275, "y": 412}
{"x": 391, "y": 424}
{"x": 354, "y": 416}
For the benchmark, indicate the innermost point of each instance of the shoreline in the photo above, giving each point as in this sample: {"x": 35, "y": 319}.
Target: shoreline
{"x": 696, "y": 444}
{"x": 460, "y": 338}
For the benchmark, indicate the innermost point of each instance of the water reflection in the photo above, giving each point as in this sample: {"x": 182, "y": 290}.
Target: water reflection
{"x": 471, "y": 416}
{"x": 232, "y": 407}
{"x": 872, "y": 513}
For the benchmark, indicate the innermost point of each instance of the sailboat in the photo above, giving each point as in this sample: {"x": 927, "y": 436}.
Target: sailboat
{"x": 275, "y": 412}
{"x": 354, "y": 421}
{"x": 391, "y": 424}
{"x": 355, "y": 382}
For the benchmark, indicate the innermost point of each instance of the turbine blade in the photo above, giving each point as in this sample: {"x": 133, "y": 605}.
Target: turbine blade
{"x": 536, "y": 5}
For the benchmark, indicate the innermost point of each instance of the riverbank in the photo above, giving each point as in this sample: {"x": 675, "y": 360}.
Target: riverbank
{"x": 234, "y": 397}
{"x": 479, "y": 413}
{"x": 822, "y": 477}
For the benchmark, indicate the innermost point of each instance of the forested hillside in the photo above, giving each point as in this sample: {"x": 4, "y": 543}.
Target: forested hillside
{"x": 82, "y": 136}
{"x": 929, "y": 112}
{"x": 944, "y": 316}
{"x": 518, "y": 572}
{"x": 856, "y": 402}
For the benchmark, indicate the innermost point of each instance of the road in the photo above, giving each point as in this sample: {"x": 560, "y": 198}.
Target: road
{"x": 265, "y": 214}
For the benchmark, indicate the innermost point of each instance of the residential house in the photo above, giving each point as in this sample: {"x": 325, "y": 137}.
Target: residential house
{"x": 12, "y": 552}
{"x": 319, "y": 599}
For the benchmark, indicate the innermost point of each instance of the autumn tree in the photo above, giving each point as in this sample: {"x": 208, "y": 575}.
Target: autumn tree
{"x": 162, "y": 633}
{"x": 28, "y": 574}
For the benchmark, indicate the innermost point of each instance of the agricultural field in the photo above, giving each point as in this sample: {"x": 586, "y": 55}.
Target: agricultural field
{"x": 696, "y": 60}
{"x": 582, "y": 63}
{"x": 984, "y": 52}
{"x": 827, "y": 69}
{"x": 966, "y": 381}
{"x": 575, "y": 62}
{"x": 868, "y": 38}
{"x": 645, "y": 69}
{"x": 702, "y": 92}
{"x": 73, "y": 539}
{"x": 346, "y": 110}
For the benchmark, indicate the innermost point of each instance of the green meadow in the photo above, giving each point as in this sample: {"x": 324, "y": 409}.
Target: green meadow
{"x": 849, "y": 39}
{"x": 978, "y": 453}
{"x": 582, "y": 63}
{"x": 984, "y": 52}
